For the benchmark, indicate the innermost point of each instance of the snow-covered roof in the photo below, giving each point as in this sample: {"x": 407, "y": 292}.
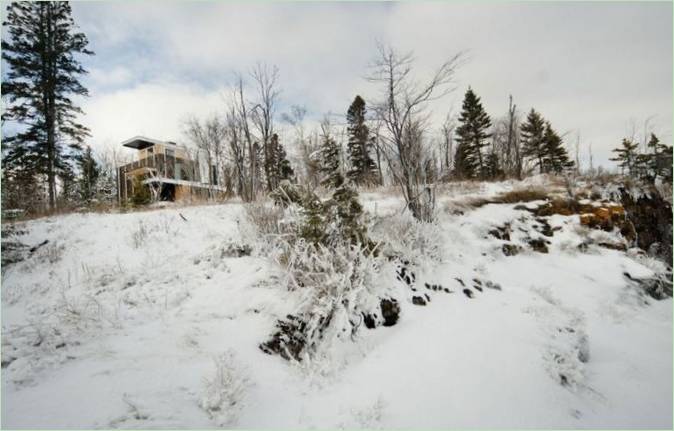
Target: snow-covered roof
{"x": 141, "y": 142}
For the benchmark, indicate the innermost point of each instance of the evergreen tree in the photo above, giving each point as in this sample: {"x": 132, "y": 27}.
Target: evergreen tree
{"x": 329, "y": 157}
{"x": 363, "y": 168}
{"x": 465, "y": 166}
{"x": 660, "y": 163}
{"x": 286, "y": 171}
{"x": 533, "y": 139}
{"x": 89, "y": 174}
{"x": 106, "y": 190}
{"x": 556, "y": 158}
{"x": 492, "y": 166}
{"x": 43, "y": 74}
{"x": 472, "y": 131}
{"x": 626, "y": 156}
{"x": 278, "y": 168}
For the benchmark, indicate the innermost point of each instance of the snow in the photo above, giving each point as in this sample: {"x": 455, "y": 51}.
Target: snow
{"x": 143, "y": 320}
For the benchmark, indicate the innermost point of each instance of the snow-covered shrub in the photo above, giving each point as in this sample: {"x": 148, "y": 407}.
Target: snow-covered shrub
{"x": 160, "y": 224}
{"x": 338, "y": 286}
{"x": 225, "y": 391}
{"x": 402, "y": 236}
{"x": 264, "y": 217}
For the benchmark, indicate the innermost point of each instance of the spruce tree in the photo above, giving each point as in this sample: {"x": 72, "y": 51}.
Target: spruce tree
{"x": 89, "y": 175}
{"x": 533, "y": 139}
{"x": 465, "y": 166}
{"x": 626, "y": 156}
{"x": 363, "y": 168}
{"x": 283, "y": 169}
{"x": 472, "y": 131}
{"x": 493, "y": 166}
{"x": 329, "y": 157}
{"x": 660, "y": 158}
{"x": 556, "y": 158}
{"x": 43, "y": 74}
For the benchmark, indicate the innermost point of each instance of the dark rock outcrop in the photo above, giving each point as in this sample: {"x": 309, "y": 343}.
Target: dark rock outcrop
{"x": 651, "y": 218}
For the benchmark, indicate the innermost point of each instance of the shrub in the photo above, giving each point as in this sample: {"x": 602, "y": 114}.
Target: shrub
{"x": 141, "y": 192}
{"x": 224, "y": 392}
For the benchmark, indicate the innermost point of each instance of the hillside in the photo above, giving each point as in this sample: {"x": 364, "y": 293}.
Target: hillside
{"x": 154, "y": 320}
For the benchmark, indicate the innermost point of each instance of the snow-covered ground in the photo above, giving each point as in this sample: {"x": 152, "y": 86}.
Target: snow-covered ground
{"x": 147, "y": 320}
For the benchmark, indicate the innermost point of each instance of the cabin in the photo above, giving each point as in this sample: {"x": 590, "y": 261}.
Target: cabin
{"x": 169, "y": 171}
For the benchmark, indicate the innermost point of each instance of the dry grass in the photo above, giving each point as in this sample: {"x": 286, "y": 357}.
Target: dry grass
{"x": 521, "y": 195}
{"x": 266, "y": 218}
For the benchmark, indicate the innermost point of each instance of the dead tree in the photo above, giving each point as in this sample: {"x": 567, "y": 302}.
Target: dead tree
{"x": 447, "y": 131}
{"x": 262, "y": 114}
{"x": 401, "y": 112}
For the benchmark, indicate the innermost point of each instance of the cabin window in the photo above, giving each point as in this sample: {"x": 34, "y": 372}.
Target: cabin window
{"x": 170, "y": 153}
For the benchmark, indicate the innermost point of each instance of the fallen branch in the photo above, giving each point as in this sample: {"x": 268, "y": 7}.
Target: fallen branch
{"x": 33, "y": 249}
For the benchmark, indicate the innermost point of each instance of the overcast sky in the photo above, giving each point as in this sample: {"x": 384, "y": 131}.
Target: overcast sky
{"x": 596, "y": 68}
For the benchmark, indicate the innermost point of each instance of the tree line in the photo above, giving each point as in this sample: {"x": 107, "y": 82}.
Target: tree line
{"x": 388, "y": 140}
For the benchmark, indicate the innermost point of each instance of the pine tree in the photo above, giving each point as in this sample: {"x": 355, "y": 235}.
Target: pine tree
{"x": 660, "y": 158}
{"x": 493, "y": 166}
{"x": 89, "y": 174}
{"x": 626, "y": 156}
{"x": 329, "y": 157}
{"x": 465, "y": 166}
{"x": 286, "y": 171}
{"x": 556, "y": 158}
{"x": 472, "y": 131}
{"x": 43, "y": 74}
{"x": 363, "y": 168}
{"x": 533, "y": 139}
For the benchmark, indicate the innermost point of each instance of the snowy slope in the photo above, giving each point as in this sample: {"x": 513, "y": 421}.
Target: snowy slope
{"x": 130, "y": 321}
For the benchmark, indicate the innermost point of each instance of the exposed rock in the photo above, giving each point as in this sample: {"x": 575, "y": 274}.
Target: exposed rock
{"x": 369, "y": 321}
{"x": 236, "y": 250}
{"x": 651, "y": 219}
{"x": 468, "y": 293}
{"x": 545, "y": 229}
{"x": 390, "y": 311}
{"x": 289, "y": 340}
{"x": 418, "y": 300}
{"x": 501, "y": 232}
{"x": 613, "y": 246}
{"x": 656, "y": 287}
{"x": 403, "y": 274}
{"x": 539, "y": 245}
{"x": 511, "y": 249}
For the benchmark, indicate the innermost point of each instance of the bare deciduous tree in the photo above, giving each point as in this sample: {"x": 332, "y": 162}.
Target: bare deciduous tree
{"x": 401, "y": 112}
{"x": 262, "y": 114}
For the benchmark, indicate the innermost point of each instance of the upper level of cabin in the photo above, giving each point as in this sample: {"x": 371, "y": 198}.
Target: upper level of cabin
{"x": 148, "y": 147}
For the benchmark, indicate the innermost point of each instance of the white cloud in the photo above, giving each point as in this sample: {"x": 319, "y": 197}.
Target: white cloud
{"x": 587, "y": 66}
{"x": 155, "y": 110}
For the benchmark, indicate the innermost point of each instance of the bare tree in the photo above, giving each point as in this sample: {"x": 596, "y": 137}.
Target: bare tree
{"x": 262, "y": 114}
{"x": 306, "y": 145}
{"x": 375, "y": 129}
{"x": 208, "y": 137}
{"x": 514, "y": 156}
{"x": 243, "y": 150}
{"x": 447, "y": 130}
{"x": 401, "y": 112}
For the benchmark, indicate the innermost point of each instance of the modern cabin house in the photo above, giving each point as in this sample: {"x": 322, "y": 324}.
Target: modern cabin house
{"x": 168, "y": 170}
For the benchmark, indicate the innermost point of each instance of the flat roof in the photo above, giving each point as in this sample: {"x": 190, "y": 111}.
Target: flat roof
{"x": 142, "y": 142}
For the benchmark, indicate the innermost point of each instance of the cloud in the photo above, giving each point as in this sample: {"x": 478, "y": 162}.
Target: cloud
{"x": 156, "y": 110}
{"x": 586, "y": 66}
